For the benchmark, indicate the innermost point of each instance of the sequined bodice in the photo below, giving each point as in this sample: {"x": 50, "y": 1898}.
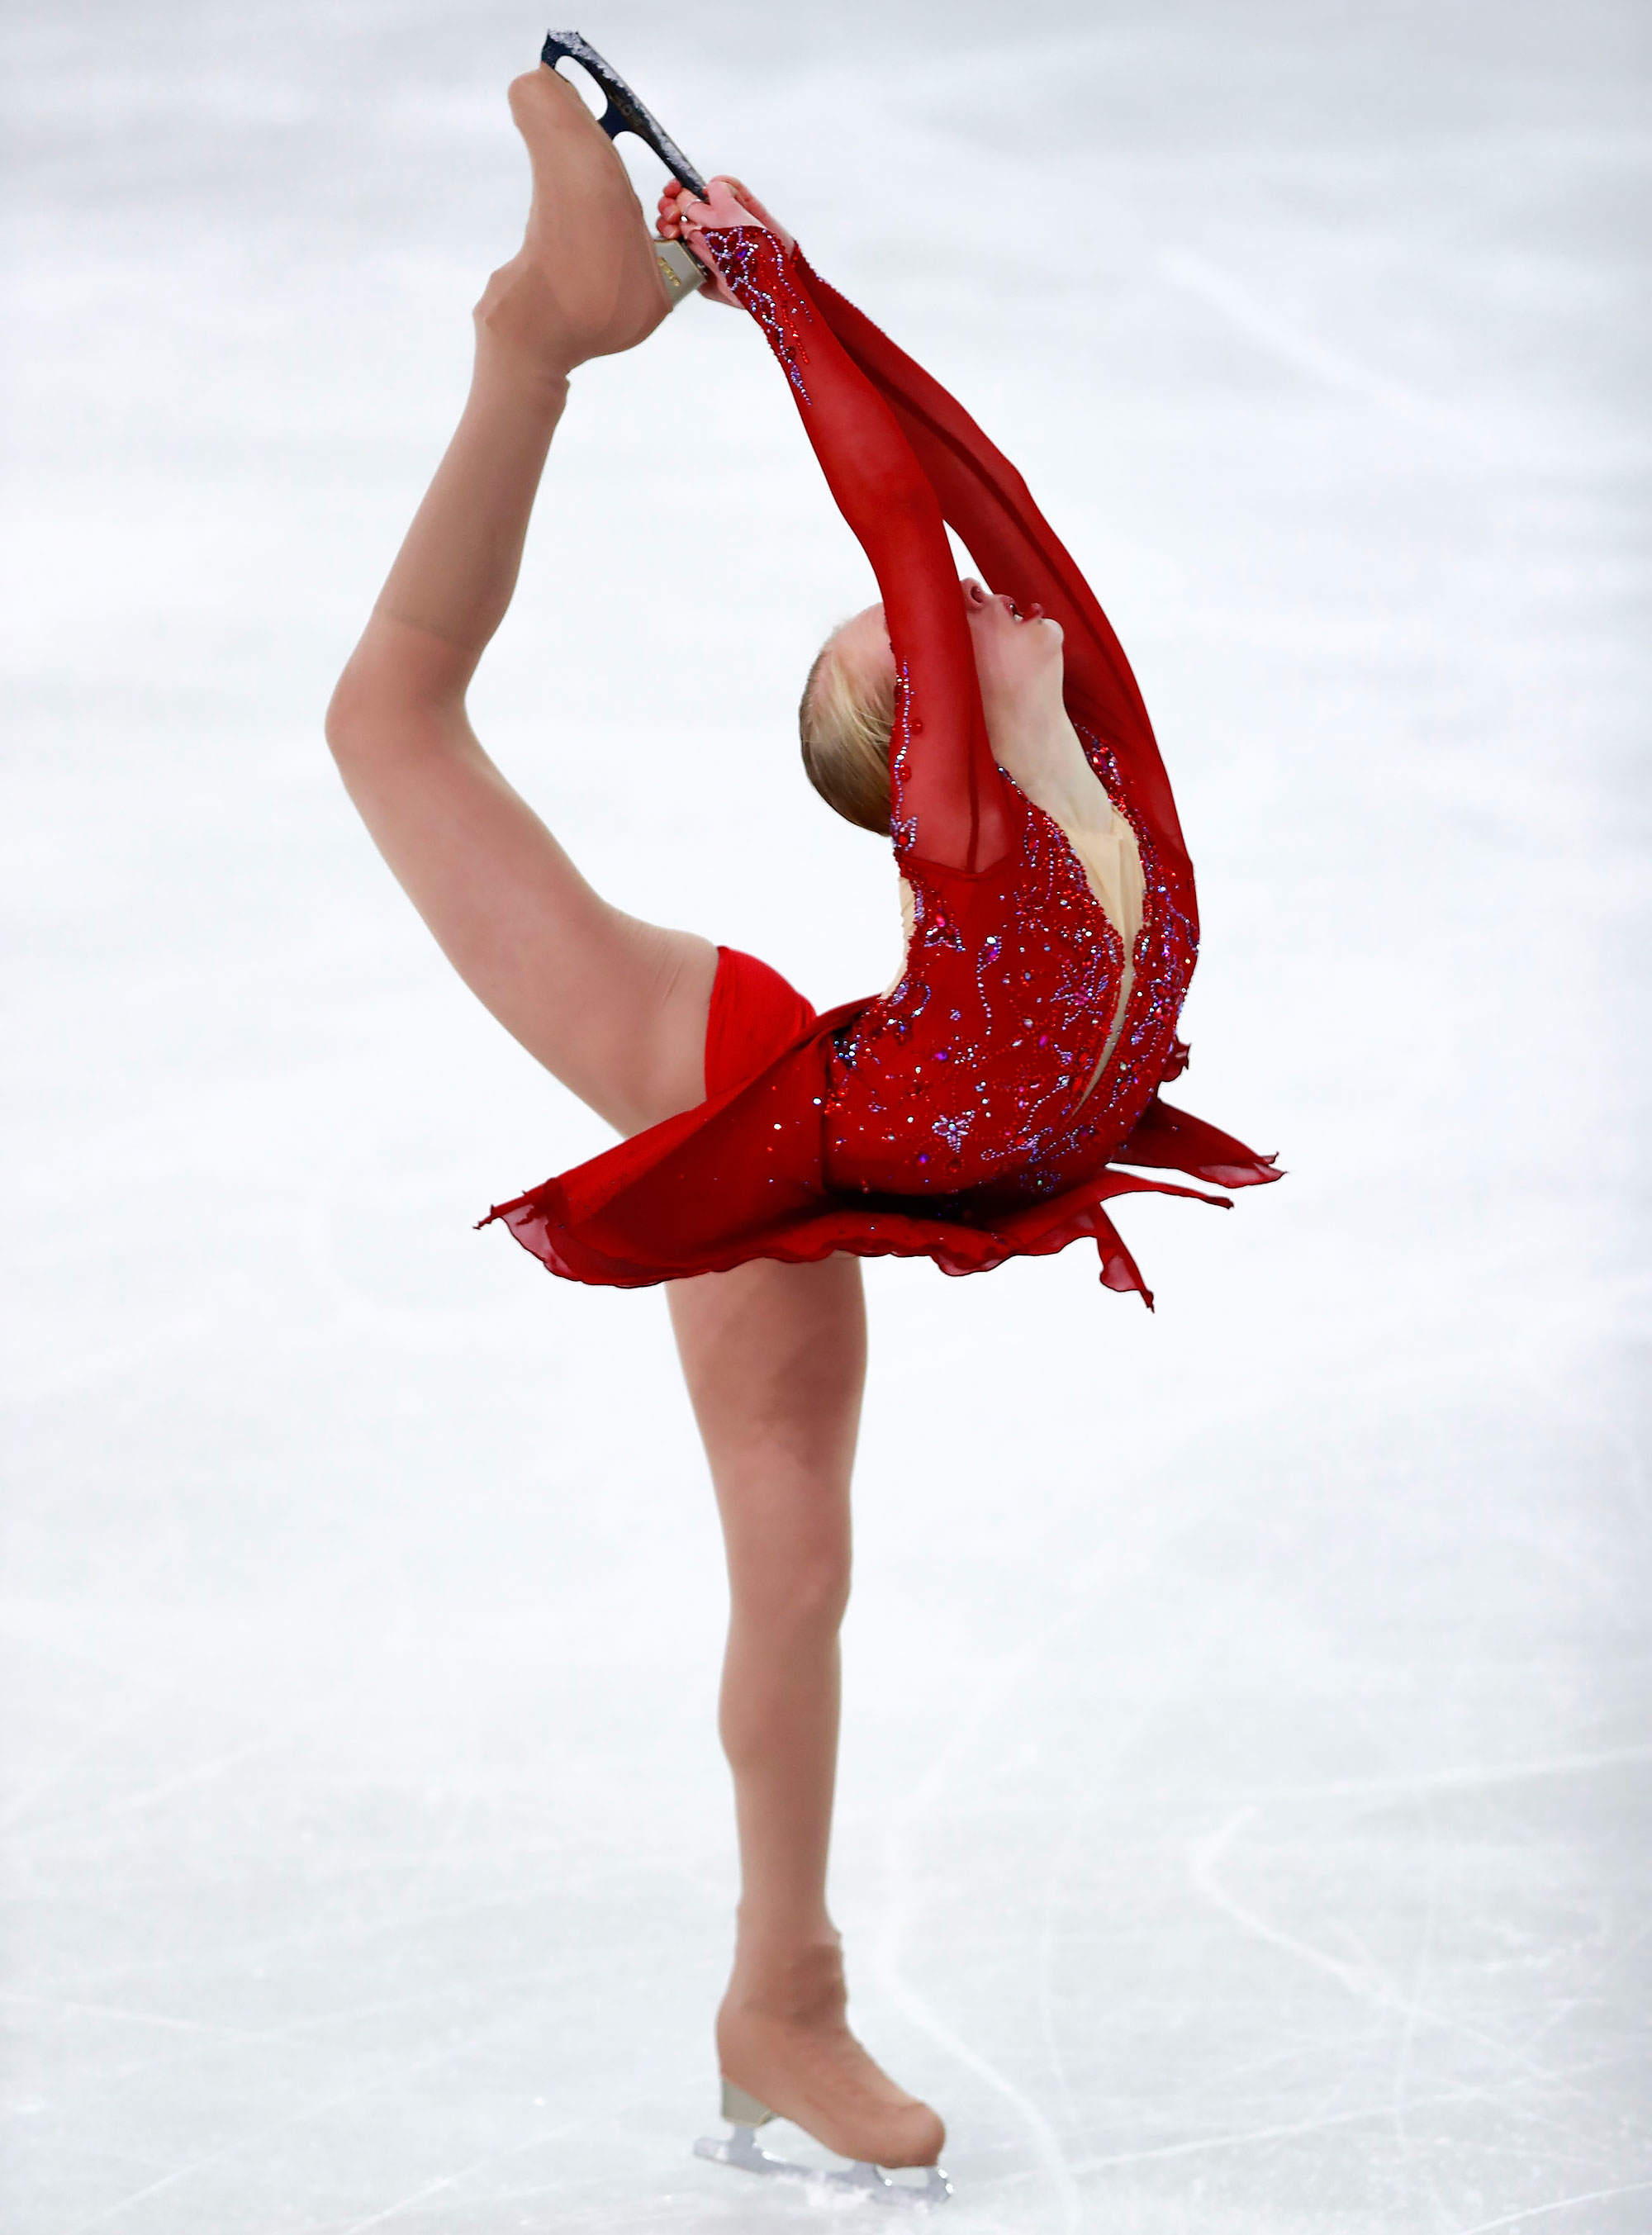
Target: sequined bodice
{"x": 981, "y": 1068}
{"x": 978, "y": 1068}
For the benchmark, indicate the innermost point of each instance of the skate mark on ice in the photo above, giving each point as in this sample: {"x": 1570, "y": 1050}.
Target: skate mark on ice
{"x": 1411, "y": 2019}
{"x": 1469, "y": 1777}
{"x": 899, "y": 1876}
{"x": 1613, "y": 1958}
{"x": 1256, "y": 2137}
{"x": 341, "y": 2099}
{"x": 122, "y": 2014}
{"x": 193, "y": 1671}
{"x": 1367, "y": 1983}
{"x": 203, "y": 1772}
{"x": 1560, "y": 2204}
{"x": 1320, "y": 360}
{"x": 993, "y": 1696}
{"x": 1053, "y": 1879}
{"x": 429, "y": 2188}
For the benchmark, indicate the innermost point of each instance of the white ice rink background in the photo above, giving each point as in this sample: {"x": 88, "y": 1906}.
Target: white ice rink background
{"x": 1245, "y": 1806}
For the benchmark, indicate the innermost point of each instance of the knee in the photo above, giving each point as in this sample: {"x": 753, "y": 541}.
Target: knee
{"x": 795, "y": 1599}
{"x": 347, "y": 712}
{"x": 815, "y": 1599}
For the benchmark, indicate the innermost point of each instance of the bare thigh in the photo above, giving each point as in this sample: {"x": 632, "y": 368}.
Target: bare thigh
{"x": 615, "y": 1007}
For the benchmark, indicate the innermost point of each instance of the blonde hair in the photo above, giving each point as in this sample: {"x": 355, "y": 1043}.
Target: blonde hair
{"x": 845, "y": 720}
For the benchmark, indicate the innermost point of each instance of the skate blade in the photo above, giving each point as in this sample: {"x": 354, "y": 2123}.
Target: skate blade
{"x": 869, "y": 2182}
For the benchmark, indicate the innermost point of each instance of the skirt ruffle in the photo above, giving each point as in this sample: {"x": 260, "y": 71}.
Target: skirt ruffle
{"x": 743, "y": 1176}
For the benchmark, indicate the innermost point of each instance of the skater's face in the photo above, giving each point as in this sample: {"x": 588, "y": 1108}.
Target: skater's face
{"x": 1018, "y": 657}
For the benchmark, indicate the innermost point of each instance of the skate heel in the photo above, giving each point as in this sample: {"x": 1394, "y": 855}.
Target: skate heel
{"x": 682, "y": 274}
{"x": 742, "y": 2110}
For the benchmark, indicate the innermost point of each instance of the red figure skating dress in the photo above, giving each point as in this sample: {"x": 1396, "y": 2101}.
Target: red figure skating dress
{"x": 967, "y": 1115}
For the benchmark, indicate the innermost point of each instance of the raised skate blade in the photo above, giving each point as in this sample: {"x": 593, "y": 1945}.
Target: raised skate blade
{"x": 863, "y": 2182}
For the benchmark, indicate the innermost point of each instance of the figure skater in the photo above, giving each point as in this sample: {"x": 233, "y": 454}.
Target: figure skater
{"x": 979, "y": 1111}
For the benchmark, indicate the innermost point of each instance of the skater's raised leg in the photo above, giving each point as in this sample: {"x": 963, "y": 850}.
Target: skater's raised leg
{"x": 775, "y": 1359}
{"x": 615, "y": 1007}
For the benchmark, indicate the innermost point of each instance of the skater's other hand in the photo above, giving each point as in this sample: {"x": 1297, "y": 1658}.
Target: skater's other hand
{"x": 728, "y": 202}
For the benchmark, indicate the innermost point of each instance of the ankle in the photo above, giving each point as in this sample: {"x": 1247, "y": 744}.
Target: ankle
{"x": 768, "y": 1941}
{"x": 799, "y": 1982}
{"x": 521, "y": 339}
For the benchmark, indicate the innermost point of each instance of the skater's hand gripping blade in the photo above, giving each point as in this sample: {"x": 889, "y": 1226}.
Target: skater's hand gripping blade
{"x": 867, "y": 2181}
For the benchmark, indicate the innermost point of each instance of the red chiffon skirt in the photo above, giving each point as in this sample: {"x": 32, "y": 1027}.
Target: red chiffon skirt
{"x": 742, "y": 1175}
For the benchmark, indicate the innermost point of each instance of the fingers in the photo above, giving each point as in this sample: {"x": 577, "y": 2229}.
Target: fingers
{"x": 720, "y": 208}
{"x": 730, "y": 202}
{"x": 669, "y": 223}
{"x": 744, "y": 195}
{"x": 679, "y": 206}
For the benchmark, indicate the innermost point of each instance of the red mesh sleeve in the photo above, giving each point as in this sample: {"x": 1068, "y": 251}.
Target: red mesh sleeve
{"x": 949, "y": 801}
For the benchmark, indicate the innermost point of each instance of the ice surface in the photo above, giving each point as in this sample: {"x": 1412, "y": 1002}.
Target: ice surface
{"x": 1245, "y": 1808}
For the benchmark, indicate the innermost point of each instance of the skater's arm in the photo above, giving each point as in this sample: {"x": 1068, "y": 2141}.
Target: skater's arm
{"x": 947, "y": 782}
{"x": 985, "y": 499}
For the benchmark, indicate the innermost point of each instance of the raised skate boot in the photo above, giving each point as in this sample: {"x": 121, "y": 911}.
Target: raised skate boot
{"x": 681, "y": 272}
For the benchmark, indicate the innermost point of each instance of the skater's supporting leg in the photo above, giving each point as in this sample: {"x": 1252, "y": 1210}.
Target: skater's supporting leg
{"x": 775, "y": 1359}
{"x": 616, "y": 1008}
